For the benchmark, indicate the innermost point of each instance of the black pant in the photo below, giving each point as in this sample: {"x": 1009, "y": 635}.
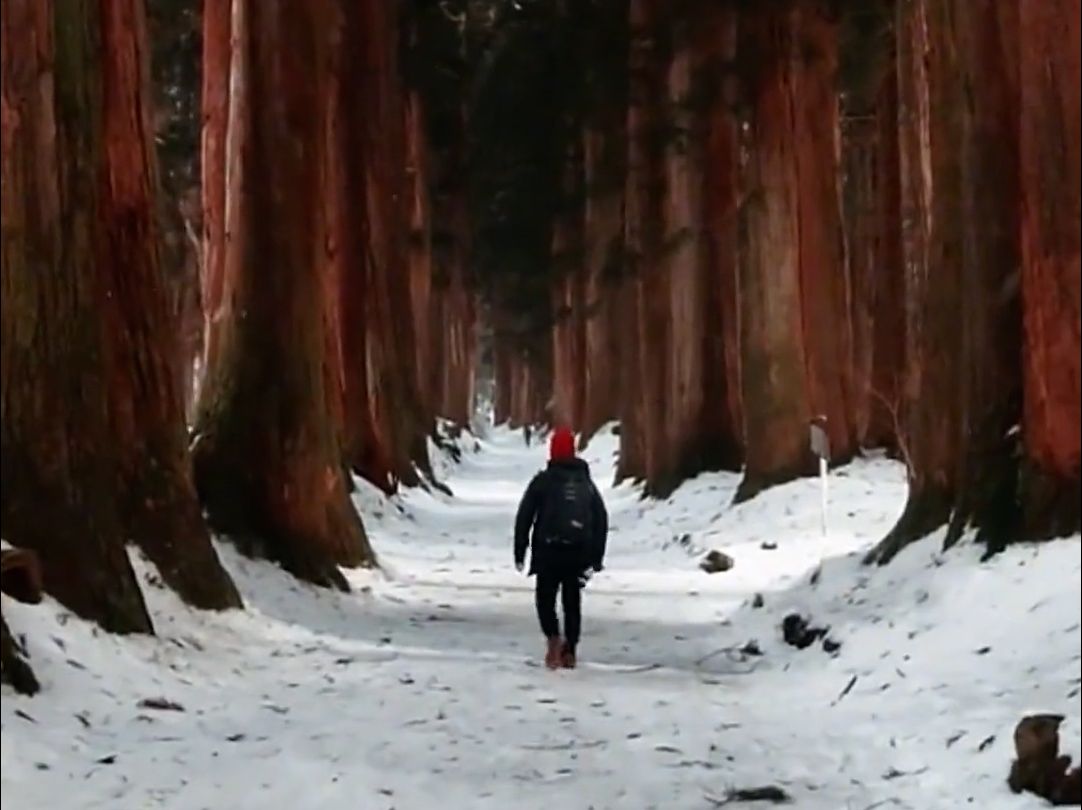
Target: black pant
{"x": 565, "y": 580}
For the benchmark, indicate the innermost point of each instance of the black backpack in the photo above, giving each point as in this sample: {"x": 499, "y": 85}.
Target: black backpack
{"x": 568, "y": 510}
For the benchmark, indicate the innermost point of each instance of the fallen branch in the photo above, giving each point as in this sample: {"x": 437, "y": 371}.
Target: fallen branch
{"x": 882, "y": 802}
{"x": 739, "y": 654}
{"x": 894, "y": 773}
{"x": 767, "y": 793}
{"x": 848, "y": 688}
{"x": 568, "y": 746}
{"x": 642, "y": 668}
{"x": 899, "y": 433}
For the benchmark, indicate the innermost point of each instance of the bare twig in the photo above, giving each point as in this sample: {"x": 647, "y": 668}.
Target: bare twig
{"x": 881, "y": 803}
{"x": 894, "y": 773}
{"x": 892, "y": 409}
{"x": 848, "y": 688}
{"x": 735, "y": 653}
{"x": 642, "y": 668}
{"x": 568, "y": 746}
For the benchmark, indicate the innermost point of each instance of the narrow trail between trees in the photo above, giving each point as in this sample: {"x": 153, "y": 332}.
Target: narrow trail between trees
{"x": 422, "y": 688}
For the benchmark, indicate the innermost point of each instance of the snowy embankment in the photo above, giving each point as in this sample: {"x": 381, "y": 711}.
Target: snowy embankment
{"x": 415, "y": 691}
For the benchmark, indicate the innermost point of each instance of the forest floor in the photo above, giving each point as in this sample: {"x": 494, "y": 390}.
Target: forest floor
{"x": 422, "y": 690}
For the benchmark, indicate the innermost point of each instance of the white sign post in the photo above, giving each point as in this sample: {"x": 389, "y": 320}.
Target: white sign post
{"x": 820, "y": 446}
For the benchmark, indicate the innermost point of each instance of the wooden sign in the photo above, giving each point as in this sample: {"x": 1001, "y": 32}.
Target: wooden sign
{"x": 820, "y": 441}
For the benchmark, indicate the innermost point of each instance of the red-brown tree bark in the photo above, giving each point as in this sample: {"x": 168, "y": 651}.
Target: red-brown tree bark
{"x": 59, "y": 474}
{"x": 372, "y": 37}
{"x": 645, "y": 379}
{"x": 680, "y": 437}
{"x": 501, "y": 389}
{"x": 95, "y": 435}
{"x": 859, "y": 198}
{"x": 419, "y": 250}
{"x": 267, "y": 458}
{"x": 570, "y": 306}
{"x": 366, "y": 447}
{"x": 158, "y": 503}
{"x": 456, "y": 356}
{"x": 991, "y": 322}
{"x": 888, "y": 288}
{"x": 456, "y": 310}
{"x": 793, "y": 314}
{"x": 715, "y": 46}
{"x": 872, "y": 221}
{"x": 631, "y": 463}
{"x": 826, "y": 329}
{"x": 603, "y": 226}
{"x": 1050, "y": 142}
{"x": 930, "y": 132}
{"x": 604, "y": 158}
{"x": 524, "y": 387}
{"x": 214, "y": 158}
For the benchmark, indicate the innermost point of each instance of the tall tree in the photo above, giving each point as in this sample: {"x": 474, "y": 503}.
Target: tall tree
{"x": 991, "y": 323}
{"x": 930, "y": 122}
{"x": 378, "y": 114}
{"x": 57, "y": 495}
{"x": 266, "y": 453}
{"x": 604, "y": 46}
{"x": 793, "y": 312}
{"x": 868, "y": 89}
{"x": 644, "y": 380}
{"x": 1049, "y": 147}
{"x": 85, "y": 324}
{"x": 716, "y": 49}
{"x": 159, "y": 509}
{"x": 214, "y": 157}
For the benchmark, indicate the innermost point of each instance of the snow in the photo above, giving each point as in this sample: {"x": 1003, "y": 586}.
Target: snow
{"x": 415, "y": 691}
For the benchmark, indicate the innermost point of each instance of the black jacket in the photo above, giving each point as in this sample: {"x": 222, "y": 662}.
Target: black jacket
{"x": 528, "y": 521}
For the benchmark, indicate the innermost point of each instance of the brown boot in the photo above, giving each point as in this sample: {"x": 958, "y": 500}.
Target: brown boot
{"x": 567, "y": 657}
{"x": 554, "y": 653}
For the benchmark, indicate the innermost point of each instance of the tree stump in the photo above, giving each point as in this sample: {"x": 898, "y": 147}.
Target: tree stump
{"x": 20, "y": 575}
{"x": 1039, "y": 768}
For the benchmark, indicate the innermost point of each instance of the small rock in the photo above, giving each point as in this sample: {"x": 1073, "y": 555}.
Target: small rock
{"x": 716, "y": 562}
{"x": 757, "y": 601}
{"x": 751, "y": 648}
{"x": 1039, "y": 768}
{"x": 798, "y": 633}
{"x": 768, "y": 545}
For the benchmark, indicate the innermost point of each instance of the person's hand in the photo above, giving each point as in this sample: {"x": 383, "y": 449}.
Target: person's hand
{"x": 518, "y": 566}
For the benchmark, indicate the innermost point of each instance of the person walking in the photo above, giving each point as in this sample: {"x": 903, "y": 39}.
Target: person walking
{"x": 562, "y": 521}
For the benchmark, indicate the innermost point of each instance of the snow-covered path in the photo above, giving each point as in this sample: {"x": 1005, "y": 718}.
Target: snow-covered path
{"x": 421, "y": 689}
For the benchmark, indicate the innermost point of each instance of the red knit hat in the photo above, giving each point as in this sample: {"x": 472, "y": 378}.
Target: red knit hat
{"x": 561, "y": 445}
